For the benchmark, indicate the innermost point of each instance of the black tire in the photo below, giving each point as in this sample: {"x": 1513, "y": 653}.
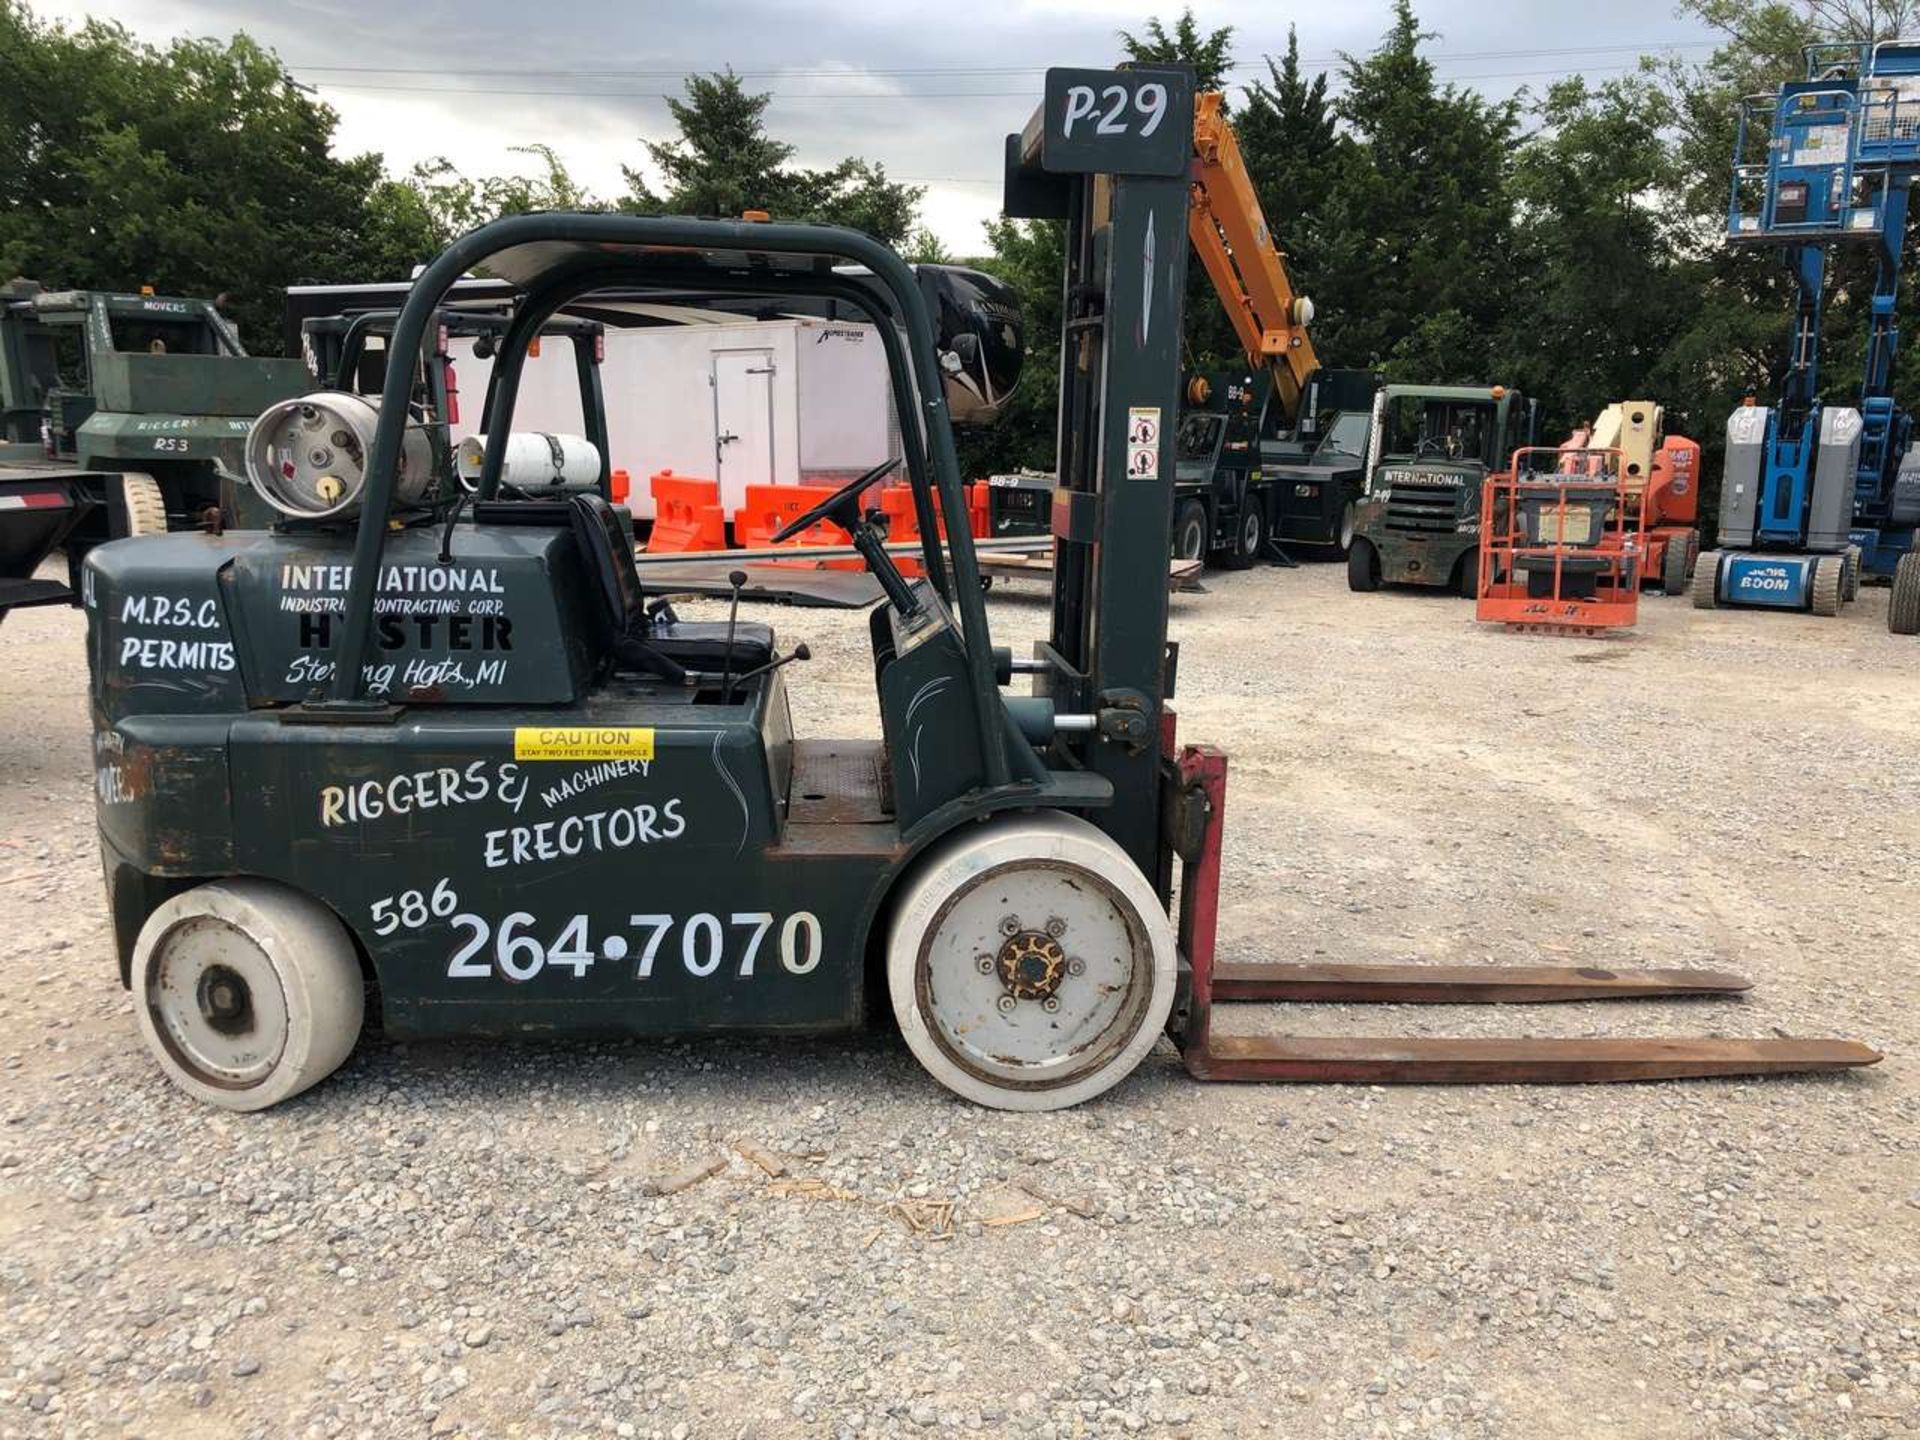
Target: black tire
{"x": 1706, "y": 583}
{"x": 1190, "y": 531}
{"x": 1249, "y": 535}
{"x": 1344, "y": 527}
{"x": 1903, "y": 609}
{"x": 1850, "y": 577}
{"x": 1677, "y": 565}
{"x": 1363, "y": 566}
{"x": 1467, "y": 581}
{"x": 1829, "y": 576}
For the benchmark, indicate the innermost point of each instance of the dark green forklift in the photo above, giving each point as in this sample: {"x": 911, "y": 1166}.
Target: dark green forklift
{"x": 1433, "y": 447}
{"x": 452, "y": 767}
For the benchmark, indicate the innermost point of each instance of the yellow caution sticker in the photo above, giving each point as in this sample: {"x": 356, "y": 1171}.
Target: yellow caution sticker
{"x": 583, "y": 742}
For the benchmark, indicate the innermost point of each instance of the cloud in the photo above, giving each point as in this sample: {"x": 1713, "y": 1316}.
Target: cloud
{"x": 928, "y": 94}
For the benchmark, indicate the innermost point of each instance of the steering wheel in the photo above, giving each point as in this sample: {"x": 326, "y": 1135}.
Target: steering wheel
{"x": 847, "y": 495}
{"x": 1431, "y": 445}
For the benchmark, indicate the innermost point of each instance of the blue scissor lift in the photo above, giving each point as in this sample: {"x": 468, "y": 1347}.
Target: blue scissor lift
{"x": 1814, "y": 493}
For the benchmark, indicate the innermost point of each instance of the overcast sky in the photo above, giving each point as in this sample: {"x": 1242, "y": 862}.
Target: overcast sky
{"x": 929, "y": 91}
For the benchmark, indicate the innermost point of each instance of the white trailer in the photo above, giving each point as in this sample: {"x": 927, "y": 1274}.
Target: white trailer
{"x": 784, "y": 402}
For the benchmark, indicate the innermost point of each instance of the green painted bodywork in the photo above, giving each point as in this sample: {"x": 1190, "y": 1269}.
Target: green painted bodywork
{"x": 1421, "y": 511}
{"x": 338, "y": 708}
{"x": 120, "y": 406}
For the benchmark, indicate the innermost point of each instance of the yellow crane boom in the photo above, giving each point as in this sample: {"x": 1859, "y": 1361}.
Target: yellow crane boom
{"x": 1229, "y": 231}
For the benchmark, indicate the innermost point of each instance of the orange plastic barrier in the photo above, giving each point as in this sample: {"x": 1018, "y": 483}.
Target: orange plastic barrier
{"x": 686, "y": 514}
{"x": 767, "y": 507}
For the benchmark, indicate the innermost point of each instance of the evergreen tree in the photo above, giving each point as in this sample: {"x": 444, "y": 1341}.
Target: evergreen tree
{"x": 1287, "y": 138}
{"x": 1210, "y": 55}
{"x": 1417, "y": 271}
{"x": 723, "y": 162}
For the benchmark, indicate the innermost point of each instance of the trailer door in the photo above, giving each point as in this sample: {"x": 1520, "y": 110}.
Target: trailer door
{"x": 742, "y": 423}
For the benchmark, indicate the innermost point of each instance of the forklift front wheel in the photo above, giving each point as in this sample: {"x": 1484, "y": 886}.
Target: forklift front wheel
{"x": 247, "y": 992}
{"x": 1029, "y": 963}
{"x": 146, "y": 506}
{"x": 1363, "y": 566}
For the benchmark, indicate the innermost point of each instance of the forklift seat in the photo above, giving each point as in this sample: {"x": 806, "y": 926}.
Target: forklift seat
{"x": 669, "y": 649}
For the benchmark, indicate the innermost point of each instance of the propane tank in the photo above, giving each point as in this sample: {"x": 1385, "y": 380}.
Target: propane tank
{"x": 308, "y": 457}
{"x": 536, "y": 463}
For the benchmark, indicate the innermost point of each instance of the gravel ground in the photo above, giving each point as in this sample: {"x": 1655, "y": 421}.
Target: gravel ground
{"x": 458, "y": 1240}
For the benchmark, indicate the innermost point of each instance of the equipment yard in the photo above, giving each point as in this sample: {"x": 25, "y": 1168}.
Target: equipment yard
{"x": 469, "y": 1239}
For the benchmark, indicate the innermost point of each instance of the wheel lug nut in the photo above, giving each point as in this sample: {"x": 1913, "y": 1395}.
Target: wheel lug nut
{"x": 1056, "y": 927}
{"x": 1050, "y": 1004}
{"x": 1009, "y": 924}
{"x": 984, "y": 964}
{"x": 1007, "y": 1002}
{"x": 1076, "y": 966}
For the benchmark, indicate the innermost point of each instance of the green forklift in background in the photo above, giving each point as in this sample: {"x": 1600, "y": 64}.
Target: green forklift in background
{"x": 118, "y": 414}
{"x": 1432, "y": 448}
{"x": 452, "y": 765}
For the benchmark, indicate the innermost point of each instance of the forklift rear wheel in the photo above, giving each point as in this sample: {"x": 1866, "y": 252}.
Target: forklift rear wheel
{"x": 1029, "y": 963}
{"x": 1850, "y": 576}
{"x": 1190, "y": 531}
{"x": 1829, "y": 576}
{"x": 146, "y": 507}
{"x": 247, "y": 992}
{"x": 1903, "y": 608}
{"x": 1706, "y": 582}
{"x": 1249, "y": 536}
{"x": 1363, "y": 566}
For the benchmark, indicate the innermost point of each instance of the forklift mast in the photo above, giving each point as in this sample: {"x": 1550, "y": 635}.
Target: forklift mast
{"x": 1108, "y": 154}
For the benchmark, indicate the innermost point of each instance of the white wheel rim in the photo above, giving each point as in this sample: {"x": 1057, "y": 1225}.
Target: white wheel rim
{"x": 1193, "y": 539}
{"x": 1250, "y": 532}
{"x": 216, "y": 1003}
{"x": 1346, "y": 526}
{"x": 1034, "y": 974}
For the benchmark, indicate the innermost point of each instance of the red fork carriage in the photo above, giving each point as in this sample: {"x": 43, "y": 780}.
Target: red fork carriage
{"x": 1561, "y": 548}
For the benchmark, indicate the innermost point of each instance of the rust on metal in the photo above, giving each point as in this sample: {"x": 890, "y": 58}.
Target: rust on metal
{"x": 1462, "y": 984}
{"x": 1421, "y": 1061}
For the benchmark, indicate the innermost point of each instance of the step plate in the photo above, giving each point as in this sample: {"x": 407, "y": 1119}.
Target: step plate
{"x": 1462, "y": 984}
{"x": 1478, "y": 1061}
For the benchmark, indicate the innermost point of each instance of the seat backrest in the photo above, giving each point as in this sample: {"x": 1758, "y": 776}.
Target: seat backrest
{"x": 609, "y": 556}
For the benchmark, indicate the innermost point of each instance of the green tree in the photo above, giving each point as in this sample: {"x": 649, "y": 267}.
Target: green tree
{"x": 1603, "y": 288}
{"x": 1210, "y": 55}
{"x": 197, "y": 169}
{"x": 1416, "y": 274}
{"x": 418, "y": 216}
{"x": 1030, "y": 255}
{"x": 723, "y": 162}
{"x": 1287, "y": 138}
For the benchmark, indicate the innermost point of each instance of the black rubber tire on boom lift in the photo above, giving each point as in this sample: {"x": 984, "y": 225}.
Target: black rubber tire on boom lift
{"x": 1829, "y": 575}
{"x": 1190, "y": 531}
{"x": 1674, "y": 567}
{"x": 1363, "y": 566}
{"x": 1706, "y": 582}
{"x": 1903, "y": 609}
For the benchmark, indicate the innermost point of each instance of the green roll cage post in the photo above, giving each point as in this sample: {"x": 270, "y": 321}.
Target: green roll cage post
{"x": 893, "y": 278}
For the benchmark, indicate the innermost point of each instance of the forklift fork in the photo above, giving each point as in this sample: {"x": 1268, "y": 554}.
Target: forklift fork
{"x": 1426, "y": 1061}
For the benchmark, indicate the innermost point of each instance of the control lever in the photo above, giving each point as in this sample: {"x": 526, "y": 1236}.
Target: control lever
{"x": 800, "y": 652}
{"x": 737, "y": 579}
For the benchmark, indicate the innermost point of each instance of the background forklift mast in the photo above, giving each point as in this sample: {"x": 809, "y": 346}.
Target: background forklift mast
{"x": 1815, "y": 492}
{"x": 1283, "y": 458}
{"x": 1433, "y": 447}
